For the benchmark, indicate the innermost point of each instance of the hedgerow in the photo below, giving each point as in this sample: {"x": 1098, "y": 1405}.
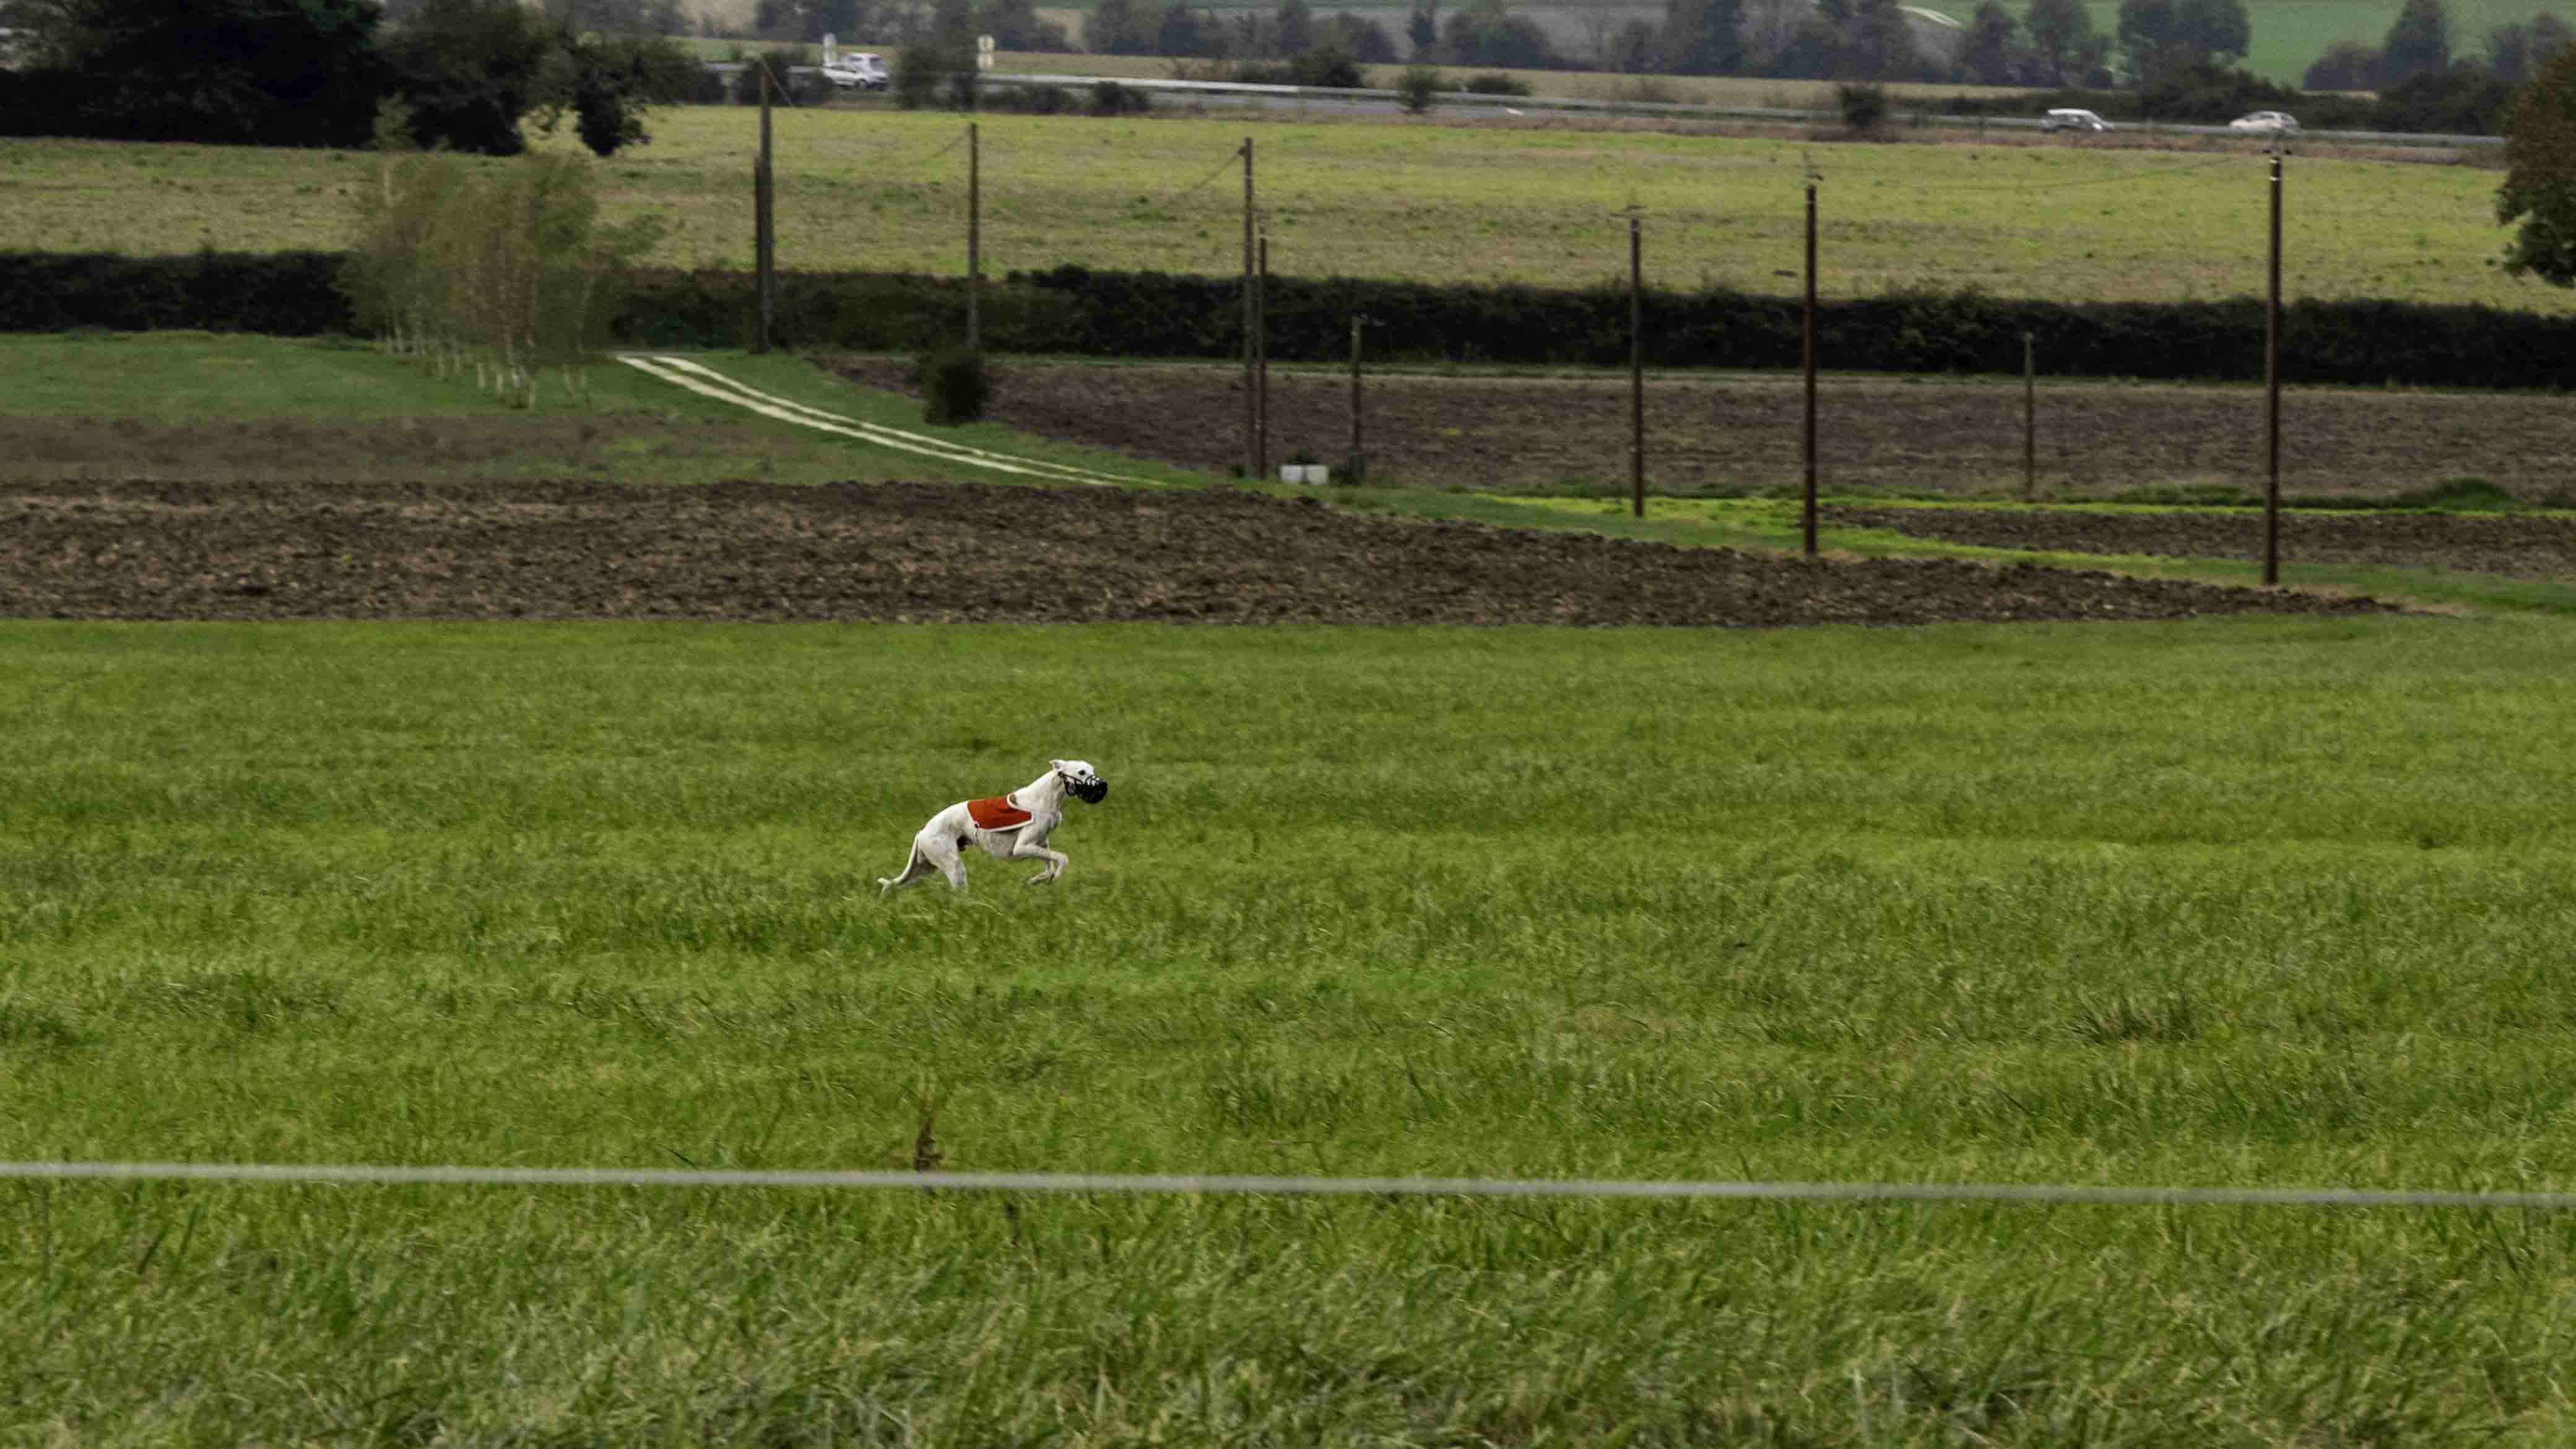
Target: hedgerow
{"x": 1075, "y": 311}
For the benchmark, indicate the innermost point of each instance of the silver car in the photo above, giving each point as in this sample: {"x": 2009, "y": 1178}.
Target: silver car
{"x": 2267, "y": 121}
{"x": 2067, "y": 118}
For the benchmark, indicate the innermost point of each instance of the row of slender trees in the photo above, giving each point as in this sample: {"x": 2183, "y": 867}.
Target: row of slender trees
{"x": 506, "y": 272}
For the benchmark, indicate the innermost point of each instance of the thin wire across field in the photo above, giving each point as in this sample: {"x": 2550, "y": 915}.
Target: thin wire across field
{"x": 1297, "y": 1186}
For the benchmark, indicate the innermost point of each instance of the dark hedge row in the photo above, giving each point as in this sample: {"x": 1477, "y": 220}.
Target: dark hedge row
{"x": 1140, "y": 314}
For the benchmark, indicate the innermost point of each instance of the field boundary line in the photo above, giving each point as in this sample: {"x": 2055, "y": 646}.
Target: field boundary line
{"x": 675, "y": 370}
{"x": 398, "y": 1175}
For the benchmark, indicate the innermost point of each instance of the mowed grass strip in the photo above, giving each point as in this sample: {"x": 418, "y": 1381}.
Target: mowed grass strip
{"x": 886, "y": 190}
{"x": 217, "y": 408}
{"x": 2246, "y": 901}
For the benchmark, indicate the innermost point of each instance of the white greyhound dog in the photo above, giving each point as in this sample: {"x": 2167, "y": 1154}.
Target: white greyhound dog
{"x": 1008, "y": 827}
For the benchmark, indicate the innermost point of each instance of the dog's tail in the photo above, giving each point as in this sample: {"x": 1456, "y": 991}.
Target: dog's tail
{"x": 886, "y": 883}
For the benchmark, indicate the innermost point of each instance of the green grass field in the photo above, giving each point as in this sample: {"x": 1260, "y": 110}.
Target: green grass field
{"x": 2230, "y": 902}
{"x": 2249, "y": 902}
{"x": 885, "y": 189}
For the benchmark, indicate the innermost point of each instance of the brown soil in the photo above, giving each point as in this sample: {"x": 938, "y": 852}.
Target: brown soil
{"x": 2535, "y": 548}
{"x": 945, "y": 552}
{"x": 1541, "y": 434}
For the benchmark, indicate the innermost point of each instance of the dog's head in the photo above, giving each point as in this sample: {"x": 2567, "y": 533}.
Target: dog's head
{"x": 1081, "y": 781}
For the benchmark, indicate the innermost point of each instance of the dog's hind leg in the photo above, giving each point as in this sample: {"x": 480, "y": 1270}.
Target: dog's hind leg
{"x": 952, "y": 864}
{"x": 888, "y": 884}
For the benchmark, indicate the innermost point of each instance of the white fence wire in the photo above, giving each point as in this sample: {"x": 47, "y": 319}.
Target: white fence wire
{"x": 1110, "y": 1182}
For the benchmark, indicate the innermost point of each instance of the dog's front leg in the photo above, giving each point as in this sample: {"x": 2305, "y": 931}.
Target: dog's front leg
{"x": 1026, "y": 849}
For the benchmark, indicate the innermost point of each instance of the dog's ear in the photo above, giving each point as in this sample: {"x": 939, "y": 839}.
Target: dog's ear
{"x": 1055, "y": 764}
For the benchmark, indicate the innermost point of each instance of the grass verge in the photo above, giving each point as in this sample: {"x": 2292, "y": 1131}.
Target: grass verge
{"x": 224, "y": 407}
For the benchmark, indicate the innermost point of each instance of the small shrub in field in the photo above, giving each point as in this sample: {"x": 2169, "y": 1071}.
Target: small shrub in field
{"x": 1330, "y": 66}
{"x": 1030, "y": 100}
{"x": 2460, "y": 495}
{"x": 1109, "y": 98}
{"x": 1417, "y": 86}
{"x": 1495, "y": 83}
{"x": 921, "y": 70}
{"x": 954, "y": 386}
{"x": 786, "y": 87}
{"x": 1864, "y": 105}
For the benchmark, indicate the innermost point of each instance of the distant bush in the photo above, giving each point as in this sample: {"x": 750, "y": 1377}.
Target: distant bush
{"x": 954, "y": 386}
{"x": 1032, "y": 100}
{"x": 707, "y": 87}
{"x": 785, "y": 84}
{"x": 1416, "y": 87}
{"x": 1495, "y": 83}
{"x": 2462, "y": 100}
{"x": 1109, "y": 98}
{"x": 2459, "y": 495}
{"x": 2346, "y": 66}
{"x": 1863, "y": 104}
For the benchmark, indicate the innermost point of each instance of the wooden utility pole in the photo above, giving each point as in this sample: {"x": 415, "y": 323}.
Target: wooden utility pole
{"x": 1261, "y": 357}
{"x": 1809, "y": 525}
{"x": 1636, "y": 366}
{"x": 2029, "y": 419}
{"x": 764, "y": 224}
{"x": 2272, "y": 390}
{"x": 974, "y": 240}
{"x": 1356, "y": 470}
{"x": 1251, "y": 407}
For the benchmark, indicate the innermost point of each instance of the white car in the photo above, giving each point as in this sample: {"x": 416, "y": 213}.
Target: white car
{"x": 857, "y": 70}
{"x": 2066, "y": 118}
{"x": 2265, "y": 121}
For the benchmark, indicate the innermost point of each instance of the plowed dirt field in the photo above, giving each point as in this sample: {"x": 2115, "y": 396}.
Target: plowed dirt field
{"x": 905, "y": 551}
{"x": 1539, "y": 434}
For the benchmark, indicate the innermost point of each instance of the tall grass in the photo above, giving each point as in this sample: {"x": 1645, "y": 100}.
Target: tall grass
{"x": 2255, "y": 901}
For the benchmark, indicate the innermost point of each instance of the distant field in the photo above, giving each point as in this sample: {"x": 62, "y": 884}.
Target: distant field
{"x": 233, "y": 407}
{"x": 1532, "y": 204}
{"x": 2288, "y": 34}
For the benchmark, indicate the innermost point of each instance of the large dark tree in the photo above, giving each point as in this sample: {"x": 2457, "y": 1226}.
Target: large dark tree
{"x": 2418, "y": 43}
{"x": 469, "y": 69}
{"x": 2344, "y": 66}
{"x": 1876, "y": 45}
{"x": 2148, "y": 39}
{"x": 1296, "y": 27}
{"x": 242, "y": 72}
{"x": 2161, "y": 38}
{"x": 1121, "y": 27}
{"x": 1703, "y": 37}
{"x": 1989, "y": 57}
{"x": 2539, "y": 188}
{"x": 2213, "y": 30}
{"x": 2062, "y": 38}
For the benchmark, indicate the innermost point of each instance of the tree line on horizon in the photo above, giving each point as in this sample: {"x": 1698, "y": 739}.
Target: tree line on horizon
{"x": 455, "y": 74}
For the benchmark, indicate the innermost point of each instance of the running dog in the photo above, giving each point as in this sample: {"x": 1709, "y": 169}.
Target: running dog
{"x": 1008, "y": 827}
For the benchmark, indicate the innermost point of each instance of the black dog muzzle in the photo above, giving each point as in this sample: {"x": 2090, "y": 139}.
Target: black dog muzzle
{"x": 1091, "y": 794}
